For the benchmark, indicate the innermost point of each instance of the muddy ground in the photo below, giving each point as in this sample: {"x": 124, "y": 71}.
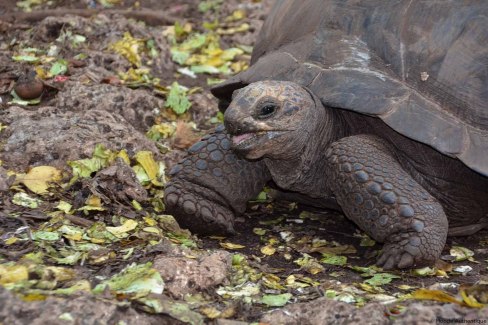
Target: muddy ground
{"x": 288, "y": 264}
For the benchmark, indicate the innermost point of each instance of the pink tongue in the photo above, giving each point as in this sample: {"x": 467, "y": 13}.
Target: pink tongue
{"x": 236, "y": 139}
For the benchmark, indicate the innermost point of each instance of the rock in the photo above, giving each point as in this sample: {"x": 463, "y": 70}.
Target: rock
{"x": 50, "y": 137}
{"x": 85, "y": 309}
{"x": 119, "y": 183}
{"x": 186, "y": 276}
{"x": 426, "y": 314}
{"x": 138, "y": 107}
{"x": 324, "y": 311}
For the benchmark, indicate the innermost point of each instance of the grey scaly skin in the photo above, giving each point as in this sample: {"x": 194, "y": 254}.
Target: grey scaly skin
{"x": 282, "y": 132}
{"x": 212, "y": 185}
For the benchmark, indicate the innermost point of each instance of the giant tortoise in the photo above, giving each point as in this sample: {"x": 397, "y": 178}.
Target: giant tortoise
{"x": 378, "y": 108}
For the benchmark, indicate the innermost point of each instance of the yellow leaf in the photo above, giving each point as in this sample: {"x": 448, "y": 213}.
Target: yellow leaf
{"x": 239, "y": 66}
{"x": 57, "y": 273}
{"x": 268, "y": 250}
{"x": 38, "y": 178}
{"x": 146, "y": 160}
{"x": 13, "y": 274}
{"x": 129, "y": 47}
{"x": 272, "y": 281}
{"x": 74, "y": 236}
{"x": 470, "y": 300}
{"x": 152, "y": 230}
{"x": 121, "y": 231}
{"x": 94, "y": 201}
{"x": 228, "y": 245}
{"x": 150, "y": 221}
{"x": 125, "y": 157}
{"x": 11, "y": 240}
{"x": 210, "y": 312}
{"x": 33, "y": 297}
{"x": 437, "y": 295}
{"x": 337, "y": 250}
{"x": 239, "y": 29}
{"x": 41, "y": 73}
{"x": 238, "y": 14}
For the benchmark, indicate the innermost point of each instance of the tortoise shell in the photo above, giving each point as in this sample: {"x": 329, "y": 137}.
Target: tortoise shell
{"x": 421, "y": 66}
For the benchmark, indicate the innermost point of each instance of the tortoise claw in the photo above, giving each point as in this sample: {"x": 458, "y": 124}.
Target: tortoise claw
{"x": 196, "y": 212}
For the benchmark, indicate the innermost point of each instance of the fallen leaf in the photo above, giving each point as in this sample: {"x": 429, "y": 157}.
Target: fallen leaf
{"x": 39, "y": 178}
{"x": 333, "y": 259}
{"x": 177, "y": 99}
{"x": 437, "y": 295}
{"x": 122, "y": 231}
{"x": 379, "y": 279}
{"x": 229, "y": 245}
{"x": 276, "y": 300}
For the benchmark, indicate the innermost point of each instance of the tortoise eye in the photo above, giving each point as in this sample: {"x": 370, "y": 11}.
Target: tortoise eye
{"x": 267, "y": 110}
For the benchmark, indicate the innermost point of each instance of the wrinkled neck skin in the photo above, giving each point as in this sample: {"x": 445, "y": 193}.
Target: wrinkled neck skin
{"x": 301, "y": 167}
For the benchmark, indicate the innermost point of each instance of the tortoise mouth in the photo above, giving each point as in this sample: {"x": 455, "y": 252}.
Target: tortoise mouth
{"x": 246, "y": 141}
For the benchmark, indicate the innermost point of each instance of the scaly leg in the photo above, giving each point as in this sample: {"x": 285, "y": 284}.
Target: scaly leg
{"x": 385, "y": 201}
{"x": 212, "y": 185}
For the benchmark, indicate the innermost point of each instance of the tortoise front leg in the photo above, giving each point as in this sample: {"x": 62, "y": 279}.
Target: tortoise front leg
{"x": 385, "y": 201}
{"x": 212, "y": 185}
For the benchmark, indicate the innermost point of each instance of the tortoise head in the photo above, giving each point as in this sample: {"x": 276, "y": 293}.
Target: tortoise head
{"x": 271, "y": 119}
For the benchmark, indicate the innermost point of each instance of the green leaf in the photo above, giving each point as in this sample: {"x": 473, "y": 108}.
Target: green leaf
{"x": 204, "y": 69}
{"x": 177, "y": 310}
{"x": 45, "y": 235}
{"x": 177, "y": 99}
{"x": 381, "y": 278}
{"x": 25, "y": 58}
{"x": 23, "y": 199}
{"x": 461, "y": 253}
{"x": 140, "y": 280}
{"x": 276, "y": 300}
{"x": 333, "y": 259}
{"x": 85, "y": 167}
{"x": 23, "y": 102}
{"x": 59, "y": 67}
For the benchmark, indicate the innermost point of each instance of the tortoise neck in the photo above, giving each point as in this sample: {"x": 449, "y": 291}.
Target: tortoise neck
{"x": 304, "y": 171}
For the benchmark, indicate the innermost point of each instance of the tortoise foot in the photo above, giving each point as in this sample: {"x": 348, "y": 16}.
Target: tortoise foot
{"x": 386, "y": 202}
{"x": 194, "y": 209}
{"x": 405, "y": 251}
{"x": 211, "y": 185}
